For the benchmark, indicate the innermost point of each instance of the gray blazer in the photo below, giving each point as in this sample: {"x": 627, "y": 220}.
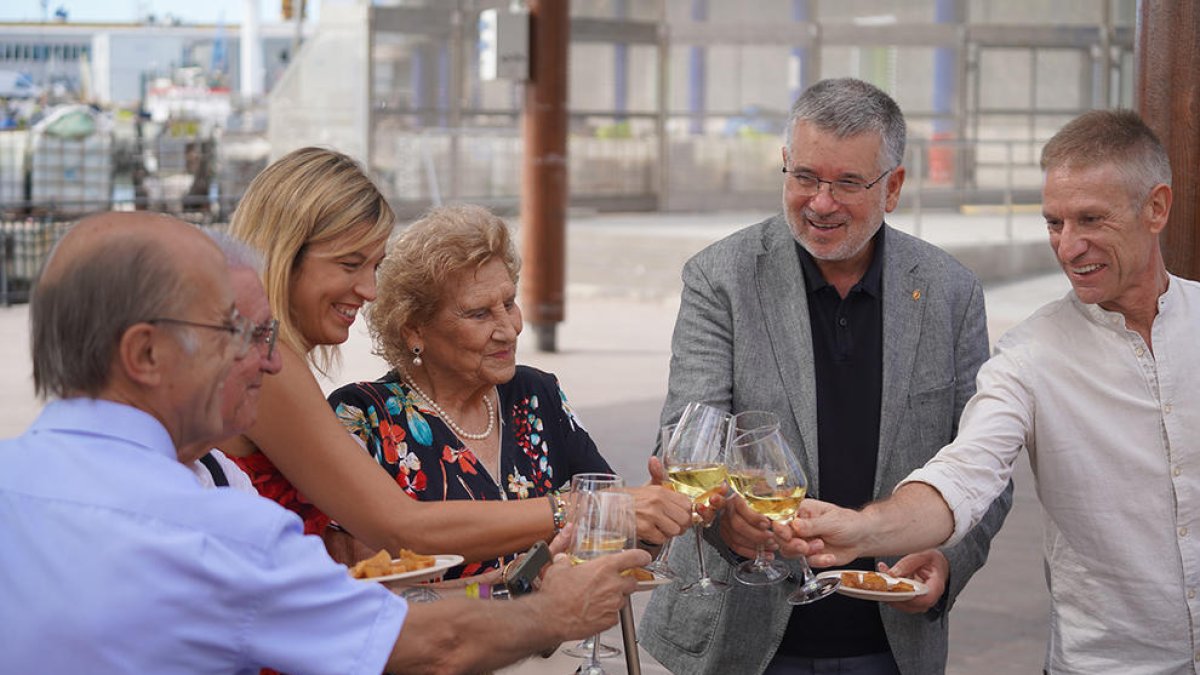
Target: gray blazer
{"x": 742, "y": 342}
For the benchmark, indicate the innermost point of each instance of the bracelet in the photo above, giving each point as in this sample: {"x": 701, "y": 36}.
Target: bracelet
{"x": 558, "y": 508}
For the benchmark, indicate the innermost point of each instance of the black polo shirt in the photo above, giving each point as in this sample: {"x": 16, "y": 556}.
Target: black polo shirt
{"x": 847, "y": 337}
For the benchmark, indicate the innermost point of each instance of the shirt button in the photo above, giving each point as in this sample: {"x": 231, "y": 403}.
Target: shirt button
{"x": 842, "y": 321}
{"x": 1177, "y": 471}
{"x": 1183, "y": 531}
{"x": 1167, "y": 408}
{"x": 1192, "y": 594}
{"x": 1139, "y": 351}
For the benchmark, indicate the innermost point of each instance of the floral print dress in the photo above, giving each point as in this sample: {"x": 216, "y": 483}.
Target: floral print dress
{"x": 542, "y": 443}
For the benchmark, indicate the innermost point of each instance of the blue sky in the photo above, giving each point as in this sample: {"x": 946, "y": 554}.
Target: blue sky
{"x": 190, "y": 11}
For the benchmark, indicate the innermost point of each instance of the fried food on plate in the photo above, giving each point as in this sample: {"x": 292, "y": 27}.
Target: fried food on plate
{"x": 382, "y": 564}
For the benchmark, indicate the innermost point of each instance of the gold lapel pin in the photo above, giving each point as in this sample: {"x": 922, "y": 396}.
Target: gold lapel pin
{"x": 917, "y": 295}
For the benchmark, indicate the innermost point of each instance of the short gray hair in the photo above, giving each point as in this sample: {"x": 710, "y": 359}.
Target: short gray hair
{"x": 1116, "y": 137}
{"x": 238, "y": 254}
{"x": 846, "y": 107}
{"x": 78, "y": 317}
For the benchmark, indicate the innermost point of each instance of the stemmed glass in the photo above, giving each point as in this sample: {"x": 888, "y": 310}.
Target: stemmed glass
{"x": 583, "y": 484}
{"x": 605, "y": 523}
{"x": 765, "y": 472}
{"x": 659, "y": 565}
{"x": 694, "y": 463}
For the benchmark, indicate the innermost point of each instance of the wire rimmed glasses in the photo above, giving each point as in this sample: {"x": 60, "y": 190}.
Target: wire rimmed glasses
{"x": 842, "y": 190}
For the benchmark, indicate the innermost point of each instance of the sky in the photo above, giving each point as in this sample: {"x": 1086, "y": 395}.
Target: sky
{"x": 126, "y": 11}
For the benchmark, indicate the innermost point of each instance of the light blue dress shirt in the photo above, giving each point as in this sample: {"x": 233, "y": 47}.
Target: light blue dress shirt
{"x": 113, "y": 559}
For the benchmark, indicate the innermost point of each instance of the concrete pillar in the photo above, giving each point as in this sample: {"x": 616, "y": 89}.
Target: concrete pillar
{"x": 251, "y": 58}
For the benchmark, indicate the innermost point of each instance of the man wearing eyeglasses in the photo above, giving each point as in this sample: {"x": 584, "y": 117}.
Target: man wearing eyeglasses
{"x": 113, "y": 559}
{"x": 239, "y": 406}
{"x": 865, "y": 342}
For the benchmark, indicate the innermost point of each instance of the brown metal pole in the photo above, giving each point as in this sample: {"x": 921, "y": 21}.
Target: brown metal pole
{"x": 1168, "y": 58}
{"x": 544, "y": 175}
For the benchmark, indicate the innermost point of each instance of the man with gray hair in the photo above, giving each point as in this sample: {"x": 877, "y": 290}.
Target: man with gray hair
{"x": 865, "y": 342}
{"x": 1098, "y": 387}
{"x": 114, "y": 560}
{"x": 239, "y": 402}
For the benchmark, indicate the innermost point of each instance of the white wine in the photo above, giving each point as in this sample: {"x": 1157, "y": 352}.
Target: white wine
{"x": 694, "y": 480}
{"x": 767, "y": 497}
{"x": 598, "y": 544}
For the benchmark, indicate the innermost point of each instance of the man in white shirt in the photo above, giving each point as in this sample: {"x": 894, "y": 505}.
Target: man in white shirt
{"x": 1099, "y": 388}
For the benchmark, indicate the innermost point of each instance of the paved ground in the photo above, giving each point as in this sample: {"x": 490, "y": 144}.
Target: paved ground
{"x": 612, "y": 360}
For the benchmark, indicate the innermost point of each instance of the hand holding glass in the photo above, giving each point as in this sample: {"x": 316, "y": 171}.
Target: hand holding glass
{"x": 605, "y": 523}
{"x": 765, "y": 474}
{"x": 695, "y": 465}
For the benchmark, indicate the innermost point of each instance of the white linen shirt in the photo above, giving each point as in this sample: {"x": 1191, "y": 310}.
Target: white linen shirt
{"x": 114, "y": 560}
{"x": 1113, "y": 434}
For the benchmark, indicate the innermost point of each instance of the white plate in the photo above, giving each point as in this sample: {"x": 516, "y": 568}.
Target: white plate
{"x": 652, "y": 584}
{"x": 883, "y": 596}
{"x": 441, "y": 564}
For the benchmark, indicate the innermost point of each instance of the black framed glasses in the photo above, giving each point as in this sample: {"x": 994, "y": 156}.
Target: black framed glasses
{"x": 844, "y": 191}
{"x": 240, "y": 329}
{"x": 266, "y": 333}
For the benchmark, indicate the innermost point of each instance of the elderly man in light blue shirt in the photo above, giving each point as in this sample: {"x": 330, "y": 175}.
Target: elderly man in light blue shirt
{"x": 114, "y": 559}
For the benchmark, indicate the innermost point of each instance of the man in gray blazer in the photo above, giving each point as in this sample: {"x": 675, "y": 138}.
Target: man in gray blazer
{"x": 865, "y": 342}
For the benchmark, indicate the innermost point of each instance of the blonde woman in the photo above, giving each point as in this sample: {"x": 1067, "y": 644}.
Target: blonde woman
{"x": 322, "y": 226}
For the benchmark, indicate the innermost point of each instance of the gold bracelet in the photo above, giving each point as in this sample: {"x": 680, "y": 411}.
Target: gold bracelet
{"x": 558, "y": 509}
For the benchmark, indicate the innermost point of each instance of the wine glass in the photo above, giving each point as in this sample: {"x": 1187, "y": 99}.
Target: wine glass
{"x": 763, "y": 448}
{"x": 694, "y": 463}
{"x": 751, "y": 420}
{"x": 763, "y": 471}
{"x": 585, "y": 484}
{"x": 659, "y": 565}
{"x": 605, "y": 523}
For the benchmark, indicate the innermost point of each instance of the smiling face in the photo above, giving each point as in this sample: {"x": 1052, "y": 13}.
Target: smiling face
{"x": 1106, "y": 239}
{"x": 830, "y": 230}
{"x": 332, "y": 282}
{"x": 472, "y": 338}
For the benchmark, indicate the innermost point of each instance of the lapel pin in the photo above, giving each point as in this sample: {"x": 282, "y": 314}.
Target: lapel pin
{"x": 916, "y": 295}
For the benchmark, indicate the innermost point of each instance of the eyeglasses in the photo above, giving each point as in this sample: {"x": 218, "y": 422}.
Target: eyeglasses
{"x": 266, "y": 333}
{"x": 844, "y": 191}
{"x": 239, "y": 327}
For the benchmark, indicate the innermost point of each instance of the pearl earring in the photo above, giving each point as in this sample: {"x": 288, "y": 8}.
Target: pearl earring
{"x": 416, "y": 360}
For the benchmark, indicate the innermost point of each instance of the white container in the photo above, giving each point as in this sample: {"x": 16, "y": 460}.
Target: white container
{"x": 13, "y": 148}
{"x": 71, "y": 175}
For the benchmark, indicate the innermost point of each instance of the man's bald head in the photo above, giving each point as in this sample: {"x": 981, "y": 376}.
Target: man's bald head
{"x": 109, "y": 272}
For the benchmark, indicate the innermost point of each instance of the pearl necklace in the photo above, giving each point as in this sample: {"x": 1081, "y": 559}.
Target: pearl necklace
{"x": 487, "y": 403}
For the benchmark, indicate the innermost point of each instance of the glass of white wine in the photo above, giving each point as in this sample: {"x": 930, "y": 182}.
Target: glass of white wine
{"x": 583, "y": 484}
{"x": 764, "y": 473}
{"x": 784, "y": 485}
{"x": 659, "y": 565}
{"x": 694, "y": 460}
{"x": 605, "y": 523}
